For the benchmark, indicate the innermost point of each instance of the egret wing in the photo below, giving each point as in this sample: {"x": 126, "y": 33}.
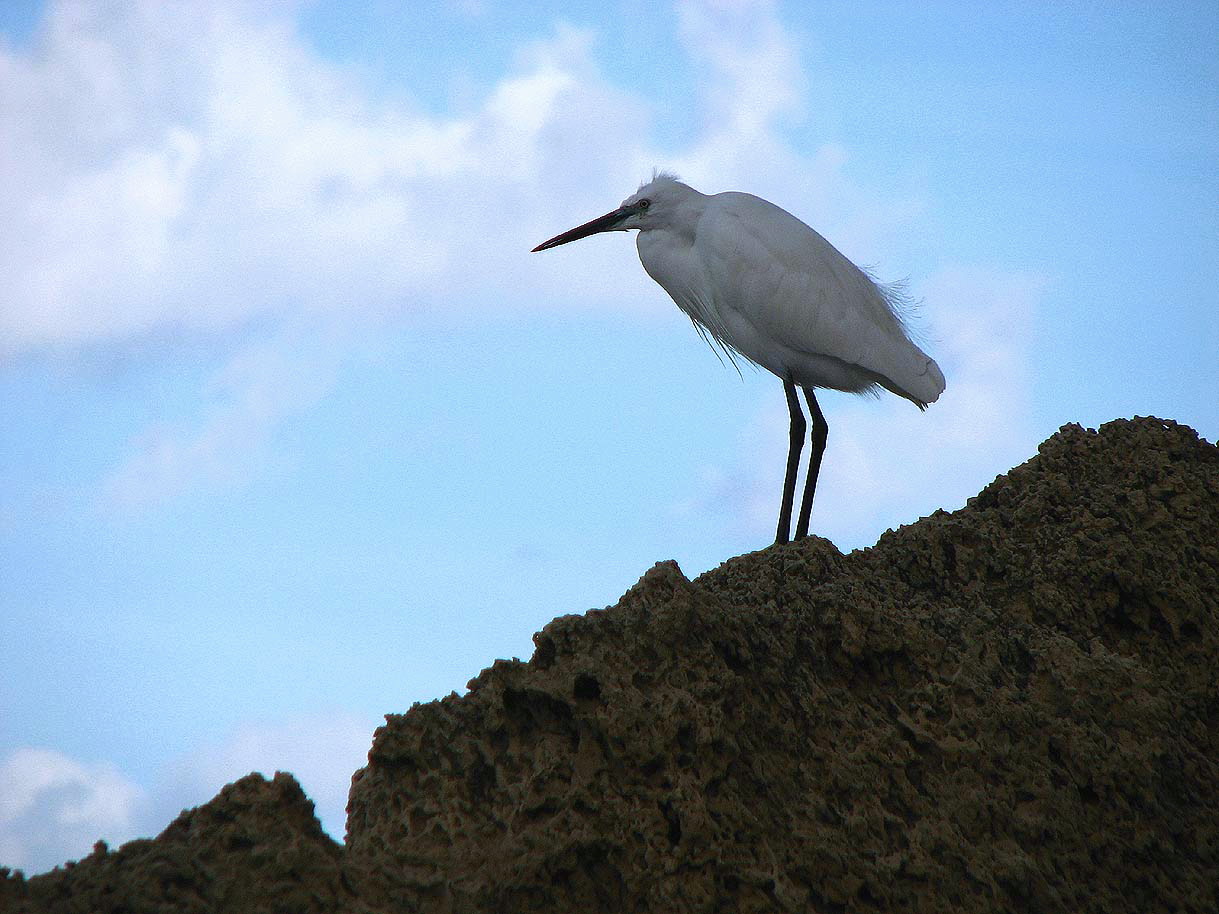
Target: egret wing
{"x": 799, "y": 294}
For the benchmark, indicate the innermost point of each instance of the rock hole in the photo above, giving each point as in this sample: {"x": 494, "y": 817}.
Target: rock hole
{"x": 587, "y": 687}
{"x": 673, "y": 818}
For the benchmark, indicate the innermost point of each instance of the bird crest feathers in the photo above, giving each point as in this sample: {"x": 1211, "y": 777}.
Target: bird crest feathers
{"x": 660, "y": 175}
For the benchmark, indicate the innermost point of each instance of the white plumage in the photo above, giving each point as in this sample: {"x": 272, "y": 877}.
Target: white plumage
{"x": 764, "y": 285}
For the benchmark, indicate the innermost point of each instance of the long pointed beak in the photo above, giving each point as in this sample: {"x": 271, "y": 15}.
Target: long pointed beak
{"x": 604, "y": 223}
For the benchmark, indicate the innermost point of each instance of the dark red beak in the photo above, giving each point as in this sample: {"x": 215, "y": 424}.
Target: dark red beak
{"x": 600, "y": 224}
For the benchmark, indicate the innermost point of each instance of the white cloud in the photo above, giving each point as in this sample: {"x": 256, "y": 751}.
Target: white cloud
{"x": 751, "y": 80}
{"x": 54, "y": 808}
{"x": 196, "y": 165}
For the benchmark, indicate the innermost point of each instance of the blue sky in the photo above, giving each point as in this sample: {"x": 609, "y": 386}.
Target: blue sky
{"x": 296, "y": 432}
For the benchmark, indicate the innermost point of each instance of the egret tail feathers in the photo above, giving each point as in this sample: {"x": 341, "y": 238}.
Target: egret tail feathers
{"x": 922, "y": 386}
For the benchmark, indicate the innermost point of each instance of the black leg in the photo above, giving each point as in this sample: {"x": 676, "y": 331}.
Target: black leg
{"x": 794, "y": 445}
{"x": 821, "y": 431}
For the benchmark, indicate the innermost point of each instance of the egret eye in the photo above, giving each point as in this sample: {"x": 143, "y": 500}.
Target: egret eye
{"x": 644, "y": 203}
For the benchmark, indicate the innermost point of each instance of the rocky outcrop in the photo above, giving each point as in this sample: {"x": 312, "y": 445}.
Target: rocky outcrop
{"x": 1012, "y": 707}
{"x": 257, "y": 847}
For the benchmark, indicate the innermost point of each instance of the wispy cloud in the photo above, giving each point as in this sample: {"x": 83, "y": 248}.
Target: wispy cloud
{"x": 751, "y": 83}
{"x": 261, "y": 386}
{"x": 53, "y": 808}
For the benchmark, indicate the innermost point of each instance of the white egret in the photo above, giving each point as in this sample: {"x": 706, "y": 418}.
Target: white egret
{"x": 761, "y": 284}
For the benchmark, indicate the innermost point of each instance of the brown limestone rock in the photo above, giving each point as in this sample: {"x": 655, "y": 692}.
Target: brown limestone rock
{"x": 1012, "y": 707}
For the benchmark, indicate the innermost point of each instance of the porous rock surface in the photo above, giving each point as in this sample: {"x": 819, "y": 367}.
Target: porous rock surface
{"x": 1012, "y": 707}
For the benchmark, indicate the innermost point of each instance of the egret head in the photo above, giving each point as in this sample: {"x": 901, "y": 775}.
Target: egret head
{"x": 649, "y": 207}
